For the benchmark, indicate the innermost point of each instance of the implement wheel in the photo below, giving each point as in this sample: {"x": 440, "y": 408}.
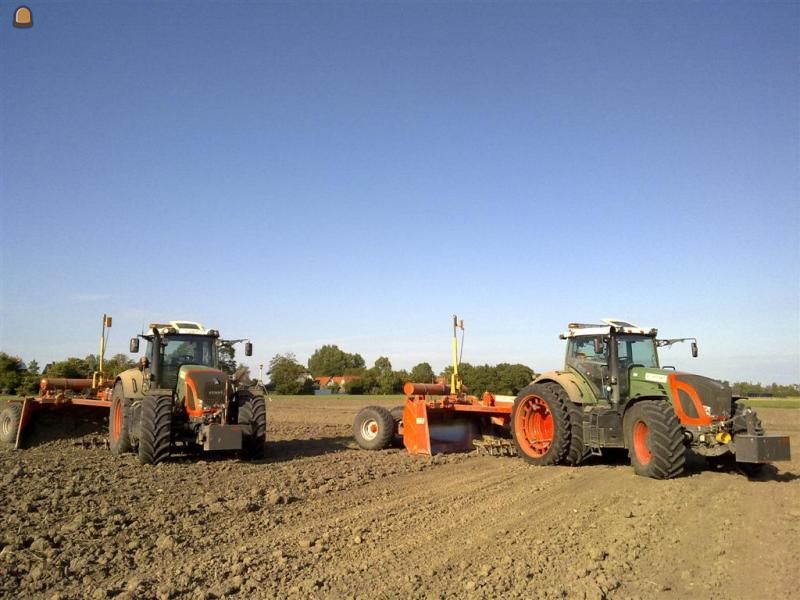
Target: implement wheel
{"x": 655, "y": 440}
{"x": 119, "y": 422}
{"x": 253, "y": 420}
{"x": 155, "y": 437}
{"x": 540, "y": 426}
{"x": 397, "y": 415}
{"x": 373, "y": 428}
{"x": 9, "y": 422}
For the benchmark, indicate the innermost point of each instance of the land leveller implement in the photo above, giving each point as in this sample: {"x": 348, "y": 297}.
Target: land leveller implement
{"x": 612, "y": 393}
{"x": 177, "y": 397}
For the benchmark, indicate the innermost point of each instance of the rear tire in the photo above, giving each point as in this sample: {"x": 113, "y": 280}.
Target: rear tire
{"x": 655, "y": 440}
{"x": 577, "y": 450}
{"x": 9, "y": 422}
{"x": 253, "y": 421}
{"x": 373, "y": 428}
{"x": 119, "y": 421}
{"x": 540, "y": 426}
{"x": 155, "y": 437}
{"x": 397, "y": 415}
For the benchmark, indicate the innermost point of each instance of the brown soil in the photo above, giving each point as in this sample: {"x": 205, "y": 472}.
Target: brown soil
{"x": 320, "y": 518}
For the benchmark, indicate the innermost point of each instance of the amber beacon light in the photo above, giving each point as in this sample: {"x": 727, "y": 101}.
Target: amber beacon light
{"x": 23, "y": 18}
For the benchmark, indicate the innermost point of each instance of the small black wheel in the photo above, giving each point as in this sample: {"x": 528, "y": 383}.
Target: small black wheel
{"x": 397, "y": 415}
{"x": 155, "y": 436}
{"x": 9, "y": 422}
{"x": 253, "y": 421}
{"x": 540, "y": 426}
{"x": 373, "y": 428}
{"x": 119, "y": 421}
{"x": 655, "y": 440}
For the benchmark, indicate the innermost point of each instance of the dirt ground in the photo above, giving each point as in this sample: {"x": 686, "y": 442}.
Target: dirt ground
{"x": 320, "y": 518}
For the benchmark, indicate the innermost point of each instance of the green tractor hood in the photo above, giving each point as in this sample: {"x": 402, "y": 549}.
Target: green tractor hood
{"x": 697, "y": 400}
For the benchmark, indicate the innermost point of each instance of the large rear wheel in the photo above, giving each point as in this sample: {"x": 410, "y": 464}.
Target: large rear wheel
{"x": 655, "y": 440}
{"x": 577, "y": 450}
{"x": 253, "y": 421}
{"x": 373, "y": 428}
{"x": 540, "y": 426}
{"x": 155, "y": 436}
{"x": 119, "y": 419}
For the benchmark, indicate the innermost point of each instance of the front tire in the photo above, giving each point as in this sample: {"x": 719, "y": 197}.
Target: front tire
{"x": 373, "y": 428}
{"x": 253, "y": 421}
{"x": 155, "y": 437}
{"x": 655, "y": 440}
{"x": 540, "y": 426}
{"x": 9, "y": 422}
{"x": 119, "y": 421}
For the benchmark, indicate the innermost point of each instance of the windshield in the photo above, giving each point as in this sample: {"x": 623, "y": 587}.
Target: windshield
{"x": 637, "y": 350}
{"x": 179, "y": 350}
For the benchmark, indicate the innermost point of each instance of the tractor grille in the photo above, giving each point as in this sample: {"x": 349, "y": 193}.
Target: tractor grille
{"x": 210, "y": 387}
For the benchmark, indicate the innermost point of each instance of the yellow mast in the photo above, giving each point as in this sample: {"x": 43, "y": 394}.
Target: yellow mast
{"x": 455, "y": 378}
{"x": 97, "y": 376}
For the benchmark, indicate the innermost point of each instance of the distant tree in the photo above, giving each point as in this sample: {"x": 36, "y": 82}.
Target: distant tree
{"x": 288, "y": 376}
{"x": 354, "y": 386}
{"x": 12, "y": 371}
{"x": 31, "y": 378}
{"x": 500, "y": 379}
{"x": 400, "y": 379}
{"x": 330, "y": 360}
{"x": 384, "y": 375}
{"x": 422, "y": 373}
{"x": 226, "y": 354}
{"x": 73, "y": 368}
{"x": 117, "y": 364}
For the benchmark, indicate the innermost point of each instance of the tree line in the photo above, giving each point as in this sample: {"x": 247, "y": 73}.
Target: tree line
{"x": 288, "y": 376}
{"x": 17, "y": 377}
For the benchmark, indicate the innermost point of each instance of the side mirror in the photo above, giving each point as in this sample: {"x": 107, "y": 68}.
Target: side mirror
{"x": 134, "y": 345}
{"x": 248, "y": 349}
{"x": 694, "y": 349}
{"x": 598, "y": 345}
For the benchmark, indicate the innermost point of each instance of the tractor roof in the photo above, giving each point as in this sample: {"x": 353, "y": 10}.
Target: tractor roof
{"x": 620, "y": 326}
{"x": 182, "y": 327}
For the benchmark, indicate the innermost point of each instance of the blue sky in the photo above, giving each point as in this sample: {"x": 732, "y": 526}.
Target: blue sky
{"x": 354, "y": 173}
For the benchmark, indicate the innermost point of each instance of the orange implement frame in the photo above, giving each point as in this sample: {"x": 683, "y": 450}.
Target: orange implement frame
{"x": 101, "y": 400}
{"x": 449, "y": 423}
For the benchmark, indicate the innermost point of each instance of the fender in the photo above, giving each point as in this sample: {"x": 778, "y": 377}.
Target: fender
{"x": 132, "y": 380}
{"x": 567, "y": 381}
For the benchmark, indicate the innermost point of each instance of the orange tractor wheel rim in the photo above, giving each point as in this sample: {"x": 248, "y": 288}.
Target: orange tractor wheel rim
{"x": 641, "y": 442}
{"x": 116, "y": 421}
{"x": 535, "y": 426}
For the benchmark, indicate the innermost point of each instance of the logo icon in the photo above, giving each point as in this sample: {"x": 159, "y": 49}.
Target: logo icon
{"x": 23, "y": 18}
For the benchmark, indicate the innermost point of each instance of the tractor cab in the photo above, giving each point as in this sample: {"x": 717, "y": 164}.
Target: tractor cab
{"x": 175, "y": 345}
{"x": 604, "y": 355}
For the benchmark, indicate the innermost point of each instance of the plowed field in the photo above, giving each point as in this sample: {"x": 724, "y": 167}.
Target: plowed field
{"x": 320, "y": 518}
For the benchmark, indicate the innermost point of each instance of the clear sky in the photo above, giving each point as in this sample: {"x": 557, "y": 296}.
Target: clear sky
{"x": 355, "y": 173}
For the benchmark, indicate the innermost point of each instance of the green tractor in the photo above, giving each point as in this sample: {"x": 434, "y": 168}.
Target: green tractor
{"x": 614, "y": 393}
{"x": 179, "y": 398}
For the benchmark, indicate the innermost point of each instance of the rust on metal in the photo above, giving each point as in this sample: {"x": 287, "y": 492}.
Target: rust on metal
{"x": 426, "y": 389}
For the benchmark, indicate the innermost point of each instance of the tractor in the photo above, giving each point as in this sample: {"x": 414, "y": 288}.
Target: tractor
{"x": 612, "y": 394}
{"x": 178, "y": 397}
